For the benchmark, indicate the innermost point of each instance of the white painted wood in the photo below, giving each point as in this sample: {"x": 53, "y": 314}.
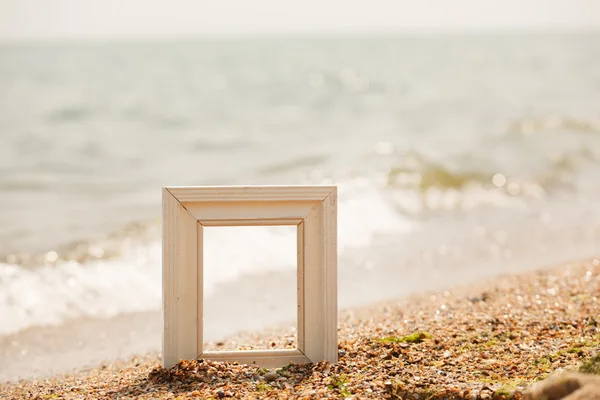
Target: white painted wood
{"x": 251, "y": 222}
{"x": 320, "y": 281}
{"x": 200, "y": 284}
{"x": 314, "y": 286}
{"x": 180, "y": 281}
{"x": 300, "y": 328}
{"x": 169, "y": 278}
{"x": 244, "y": 193}
{"x": 254, "y": 210}
{"x": 329, "y": 267}
{"x": 186, "y": 210}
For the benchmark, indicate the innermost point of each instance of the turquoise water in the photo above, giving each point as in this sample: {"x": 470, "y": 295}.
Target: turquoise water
{"x": 482, "y": 153}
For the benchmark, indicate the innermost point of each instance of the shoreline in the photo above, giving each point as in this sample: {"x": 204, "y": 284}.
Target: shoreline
{"x": 512, "y": 329}
{"x": 252, "y": 304}
{"x": 43, "y": 352}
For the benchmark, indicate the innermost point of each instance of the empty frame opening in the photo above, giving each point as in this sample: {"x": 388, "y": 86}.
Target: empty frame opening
{"x": 250, "y": 285}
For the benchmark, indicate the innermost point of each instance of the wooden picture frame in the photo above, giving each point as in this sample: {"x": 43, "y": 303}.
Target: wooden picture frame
{"x": 187, "y": 210}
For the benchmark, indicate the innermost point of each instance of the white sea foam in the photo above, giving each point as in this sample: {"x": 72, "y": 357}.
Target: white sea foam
{"x": 51, "y": 295}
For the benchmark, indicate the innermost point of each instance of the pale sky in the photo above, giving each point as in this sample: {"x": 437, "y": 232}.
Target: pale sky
{"x": 58, "y": 19}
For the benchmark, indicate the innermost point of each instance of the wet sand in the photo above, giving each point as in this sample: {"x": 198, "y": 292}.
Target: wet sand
{"x": 46, "y": 351}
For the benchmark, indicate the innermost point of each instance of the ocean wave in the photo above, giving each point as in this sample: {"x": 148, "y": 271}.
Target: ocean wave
{"x": 409, "y": 181}
{"x": 413, "y": 170}
{"x": 84, "y": 251}
{"x": 123, "y": 273}
{"x": 419, "y": 183}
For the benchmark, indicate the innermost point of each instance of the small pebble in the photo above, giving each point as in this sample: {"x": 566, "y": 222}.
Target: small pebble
{"x": 270, "y": 376}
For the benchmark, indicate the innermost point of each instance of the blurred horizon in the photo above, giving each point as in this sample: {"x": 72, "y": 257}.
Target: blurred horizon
{"x": 135, "y": 20}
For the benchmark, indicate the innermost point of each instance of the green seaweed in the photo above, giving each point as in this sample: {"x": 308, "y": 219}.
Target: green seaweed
{"x": 509, "y": 387}
{"x": 417, "y": 337}
{"x": 592, "y": 366}
{"x": 285, "y": 370}
{"x": 339, "y": 382}
{"x": 263, "y": 387}
{"x": 583, "y": 345}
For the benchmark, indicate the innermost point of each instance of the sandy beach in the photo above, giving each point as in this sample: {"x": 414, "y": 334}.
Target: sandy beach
{"x": 492, "y": 339}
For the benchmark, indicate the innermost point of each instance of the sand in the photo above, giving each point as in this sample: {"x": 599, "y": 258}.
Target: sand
{"x": 42, "y": 352}
{"x": 487, "y": 340}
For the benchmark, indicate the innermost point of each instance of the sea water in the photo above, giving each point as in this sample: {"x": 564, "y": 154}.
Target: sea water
{"x": 456, "y": 157}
